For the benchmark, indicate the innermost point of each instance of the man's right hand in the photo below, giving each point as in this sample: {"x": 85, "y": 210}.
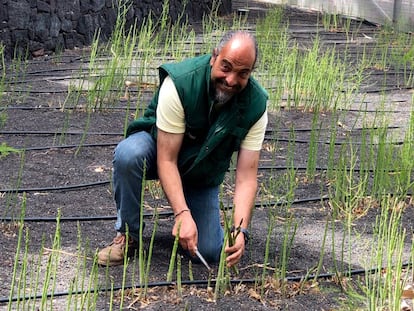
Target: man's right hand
{"x": 187, "y": 228}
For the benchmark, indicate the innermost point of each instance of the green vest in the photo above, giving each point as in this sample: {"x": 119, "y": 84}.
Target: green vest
{"x": 209, "y": 140}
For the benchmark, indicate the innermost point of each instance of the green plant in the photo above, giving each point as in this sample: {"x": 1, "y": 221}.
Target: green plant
{"x": 112, "y": 74}
{"x": 16, "y": 257}
{"x": 3, "y": 114}
{"x": 384, "y": 288}
{"x": 313, "y": 146}
{"x": 349, "y": 202}
{"x": 277, "y": 57}
{"x": 173, "y": 255}
{"x": 405, "y": 165}
{"x": 270, "y": 227}
{"x": 289, "y": 230}
{"x": 5, "y": 150}
{"x": 223, "y": 273}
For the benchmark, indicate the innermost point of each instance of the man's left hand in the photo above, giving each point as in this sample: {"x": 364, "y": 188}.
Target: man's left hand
{"x": 236, "y": 251}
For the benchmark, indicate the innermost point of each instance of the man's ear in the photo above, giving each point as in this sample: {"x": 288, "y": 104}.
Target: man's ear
{"x": 214, "y": 54}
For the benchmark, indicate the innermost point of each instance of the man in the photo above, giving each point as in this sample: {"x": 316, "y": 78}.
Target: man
{"x": 205, "y": 109}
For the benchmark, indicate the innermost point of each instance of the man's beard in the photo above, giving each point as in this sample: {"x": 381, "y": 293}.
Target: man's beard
{"x": 221, "y": 97}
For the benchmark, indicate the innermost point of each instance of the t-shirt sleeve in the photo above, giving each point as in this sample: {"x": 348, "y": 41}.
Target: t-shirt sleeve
{"x": 255, "y": 137}
{"x": 170, "y": 111}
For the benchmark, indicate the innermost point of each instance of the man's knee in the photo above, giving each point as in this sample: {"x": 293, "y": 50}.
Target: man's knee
{"x": 126, "y": 156}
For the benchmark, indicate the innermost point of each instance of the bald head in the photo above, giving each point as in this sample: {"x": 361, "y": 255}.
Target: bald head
{"x": 232, "y": 62}
{"x": 241, "y": 40}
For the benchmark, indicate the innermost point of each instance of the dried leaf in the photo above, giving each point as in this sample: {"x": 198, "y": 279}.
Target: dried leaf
{"x": 99, "y": 169}
{"x": 253, "y": 294}
{"x": 408, "y": 292}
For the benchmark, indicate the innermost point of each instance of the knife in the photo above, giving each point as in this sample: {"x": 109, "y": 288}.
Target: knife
{"x": 202, "y": 260}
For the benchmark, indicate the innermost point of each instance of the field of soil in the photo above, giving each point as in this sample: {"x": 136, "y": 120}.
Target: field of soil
{"x": 65, "y": 172}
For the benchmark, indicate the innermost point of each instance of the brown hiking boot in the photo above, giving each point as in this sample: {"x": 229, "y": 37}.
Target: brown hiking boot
{"x": 113, "y": 254}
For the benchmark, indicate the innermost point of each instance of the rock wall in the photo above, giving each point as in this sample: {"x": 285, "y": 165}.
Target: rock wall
{"x": 41, "y": 26}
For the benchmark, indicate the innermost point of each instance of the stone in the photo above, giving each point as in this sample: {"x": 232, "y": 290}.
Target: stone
{"x": 18, "y": 15}
{"x": 66, "y": 25}
{"x": 55, "y": 26}
{"x": 41, "y": 26}
{"x": 43, "y": 7}
{"x": 59, "y": 24}
{"x": 97, "y": 5}
{"x": 38, "y": 53}
{"x": 3, "y": 14}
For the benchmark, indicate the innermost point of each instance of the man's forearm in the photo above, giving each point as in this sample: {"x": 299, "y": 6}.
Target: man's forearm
{"x": 168, "y": 147}
{"x": 244, "y": 197}
{"x": 172, "y": 186}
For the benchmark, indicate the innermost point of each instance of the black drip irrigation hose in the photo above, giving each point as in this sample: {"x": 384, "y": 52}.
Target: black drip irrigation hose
{"x": 38, "y": 92}
{"x": 388, "y": 89}
{"x": 25, "y": 133}
{"x": 70, "y": 108}
{"x": 79, "y": 218}
{"x": 298, "y": 278}
{"x": 22, "y": 149}
{"x": 270, "y": 138}
{"x": 268, "y": 131}
{"x": 366, "y": 89}
{"x": 267, "y": 137}
{"x": 105, "y": 182}
{"x": 150, "y": 215}
{"x": 50, "y": 92}
{"x": 46, "y": 77}
{"x": 336, "y": 143}
{"x": 54, "y": 79}
{"x": 135, "y": 108}
{"x": 63, "y": 188}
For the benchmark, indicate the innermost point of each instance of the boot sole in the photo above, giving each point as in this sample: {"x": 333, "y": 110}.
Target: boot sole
{"x": 106, "y": 263}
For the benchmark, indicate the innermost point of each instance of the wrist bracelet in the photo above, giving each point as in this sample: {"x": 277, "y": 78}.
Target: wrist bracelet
{"x": 246, "y": 234}
{"x": 180, "y": 212}
{"x": 242, "y": 230}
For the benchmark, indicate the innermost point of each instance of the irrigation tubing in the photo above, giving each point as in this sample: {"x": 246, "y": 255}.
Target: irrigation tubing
{"x": 64, "y": 146}
{"x": 149, "y": 215}
{"x": 390, "y": 87}
{"x": 368, "y": 91}
{"x": 105, "y": 182}
{"x": 76, "y": 108}
{"x": 267, "y": 137}
{"x": 365, "y": 89}
{"x": 63, "y": 188}
{"x": 297, "y": 278}
{"x": 37, "y": 91}
{"x": 285, "y": 130}
{"x": 132, "y": 91}
{"x": 59, "y": 78}
{"x": 50, "y": 92}
{"x": 15, "y": 132}
{"x": 79, "y": 218}
{"x": 336, "y": 143}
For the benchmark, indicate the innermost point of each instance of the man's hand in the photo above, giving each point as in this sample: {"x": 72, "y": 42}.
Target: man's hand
{"x": 188, "y": 231}
{"x": 236, "y": 251}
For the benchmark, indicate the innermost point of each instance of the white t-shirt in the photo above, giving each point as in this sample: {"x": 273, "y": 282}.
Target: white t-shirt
{"x": 170, "y": 117}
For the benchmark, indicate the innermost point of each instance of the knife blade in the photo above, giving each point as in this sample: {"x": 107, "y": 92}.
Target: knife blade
{"x": 202, "y": 260}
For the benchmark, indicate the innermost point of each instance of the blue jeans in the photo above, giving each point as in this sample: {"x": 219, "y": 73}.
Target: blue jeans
{"x": 135, "y": 159}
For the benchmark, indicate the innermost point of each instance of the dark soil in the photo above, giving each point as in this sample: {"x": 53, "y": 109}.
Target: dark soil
{"x": 65, "y": 174}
